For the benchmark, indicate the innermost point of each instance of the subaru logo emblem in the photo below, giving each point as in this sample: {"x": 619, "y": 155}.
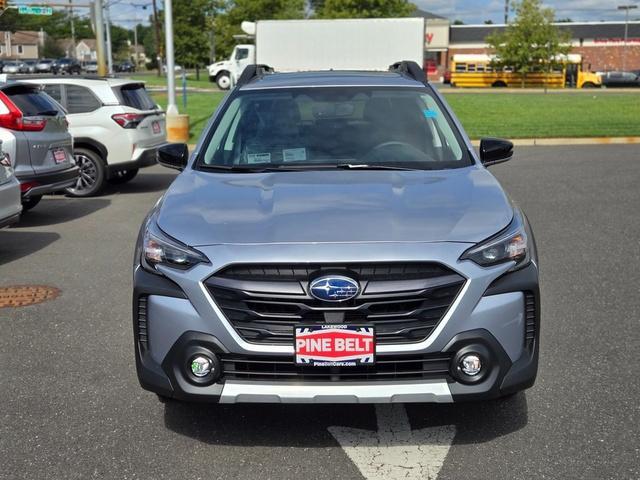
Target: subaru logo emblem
{"x": 334, "y": 288}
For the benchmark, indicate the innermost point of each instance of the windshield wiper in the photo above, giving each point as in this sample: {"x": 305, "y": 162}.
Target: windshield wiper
{"x": 248, "y": 169}
{"x": 366, "y": 166}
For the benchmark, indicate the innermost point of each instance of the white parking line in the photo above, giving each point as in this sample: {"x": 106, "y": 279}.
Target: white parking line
{"x": 394, "y": 451}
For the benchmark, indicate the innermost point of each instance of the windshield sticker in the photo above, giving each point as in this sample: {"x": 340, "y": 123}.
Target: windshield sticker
{"x": 258, "y": 157}
{"x": 430, "y": 113}
{"x": 294, "y": 154}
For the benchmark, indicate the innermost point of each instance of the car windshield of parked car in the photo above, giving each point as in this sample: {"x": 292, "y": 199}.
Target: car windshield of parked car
{"x": 349, "y": 127}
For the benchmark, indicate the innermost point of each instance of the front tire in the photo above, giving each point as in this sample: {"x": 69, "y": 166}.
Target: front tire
{"x": 92, "y": 173}
{"x": 123, "y": 176}
{"x": 31, "y": 202}
{"x": 224, "y": 81}
{"x": 588, "y": 85}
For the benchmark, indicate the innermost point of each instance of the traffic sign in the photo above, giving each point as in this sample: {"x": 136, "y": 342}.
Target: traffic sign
{"x": 27, "y": 10}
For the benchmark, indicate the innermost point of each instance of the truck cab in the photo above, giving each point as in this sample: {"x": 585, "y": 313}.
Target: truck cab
{"x": 226, "y": 72}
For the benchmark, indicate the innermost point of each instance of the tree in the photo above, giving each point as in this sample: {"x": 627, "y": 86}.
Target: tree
{"x": 458, "y": 22}
{"x": 191, "y": 42}
{"x": 531, "y": 42}
{"x": 233, "y": 13}
{"x": 365, "y": 9}
{"x": 51, "y": 49}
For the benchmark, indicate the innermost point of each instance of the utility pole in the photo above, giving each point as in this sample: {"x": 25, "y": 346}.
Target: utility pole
{"x": 172, "y": 108}
{"x": 108, "y": 27}
{"x": 73, "y": 31}
{"x": 102, "y": 68}
{"x": 156, "y": 26}
{"x": 506, "y": 11}
{"x": 135, "y": 44}
{"x": 626, "y": 8}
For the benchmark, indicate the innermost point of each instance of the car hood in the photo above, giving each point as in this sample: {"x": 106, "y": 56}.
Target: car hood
{"x": 459, "y": 205}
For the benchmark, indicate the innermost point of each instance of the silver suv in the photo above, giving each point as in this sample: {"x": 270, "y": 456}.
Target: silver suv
{"x": 36, "y": 141}
{"x": 335, "y": 238}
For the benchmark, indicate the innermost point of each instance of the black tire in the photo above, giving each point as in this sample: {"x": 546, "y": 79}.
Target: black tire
{"x": 92, "y": 173}
{"x": 123, "y": 176}
{"x": 31, "y": 202}
{"x": 499, "y": 84}
{"x": 588, "y": 85}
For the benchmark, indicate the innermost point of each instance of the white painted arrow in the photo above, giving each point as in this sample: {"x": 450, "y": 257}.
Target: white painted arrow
{"x": 395, "y": 451}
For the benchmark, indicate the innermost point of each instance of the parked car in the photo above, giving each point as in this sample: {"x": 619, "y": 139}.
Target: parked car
{"x": 29, "y": 66}
{"x": 117, "y": 128}
{"x": 335, "y": 238}
{"x": 91, "y": 67}
{"x": 36, "y": 140}
{"x": 68, "y": 66}
{"x": 10, "y": 204}
{"x": 46, "y": 65}
{"x": 12, "y": 66}
{"x": 124, "y": 67}
{"x": 620, "y": 79}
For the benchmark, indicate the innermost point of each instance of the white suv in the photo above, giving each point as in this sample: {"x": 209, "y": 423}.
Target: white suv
{"x": 115, "y": 124}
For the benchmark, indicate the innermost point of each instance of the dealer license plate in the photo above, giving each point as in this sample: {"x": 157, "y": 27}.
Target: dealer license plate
{"x": 59, "y": 155}
{"x": 334, "y": 345}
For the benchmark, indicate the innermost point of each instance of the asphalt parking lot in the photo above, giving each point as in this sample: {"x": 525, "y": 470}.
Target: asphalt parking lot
{"x": 72, "y": 407}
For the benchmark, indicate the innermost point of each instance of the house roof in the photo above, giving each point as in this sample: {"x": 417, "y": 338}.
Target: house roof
{"x": 89, "y": 42}
{"x": 23, "y": 37}
{"x": 477, "y": 33}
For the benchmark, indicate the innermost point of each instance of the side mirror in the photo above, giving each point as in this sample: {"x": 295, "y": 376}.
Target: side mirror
{"x": 495, "y": 150}
{"x": 174, "y": 155}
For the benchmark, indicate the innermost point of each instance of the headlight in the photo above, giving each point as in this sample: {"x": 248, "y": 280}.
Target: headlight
{"x": 510, "y": 245}
{"x": 159, "y": 249}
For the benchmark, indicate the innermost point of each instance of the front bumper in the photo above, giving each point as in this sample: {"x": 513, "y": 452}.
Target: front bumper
{"x": 141, "y": 158}
{"x": 490, "y": 313}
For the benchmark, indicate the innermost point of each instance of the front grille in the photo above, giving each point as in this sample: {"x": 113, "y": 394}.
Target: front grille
{"x": 404, "y": 302}
{"x": 388, "y": 367}
{"x": 142, "y": 322}
{"x": 530, "y": 318}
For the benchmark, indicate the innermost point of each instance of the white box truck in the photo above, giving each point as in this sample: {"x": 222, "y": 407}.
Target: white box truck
{"x": 304, "y": 45}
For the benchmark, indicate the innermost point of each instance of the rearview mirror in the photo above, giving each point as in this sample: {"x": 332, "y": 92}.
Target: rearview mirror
{"x": 174, "y": 155}
{"x": 495, "y": 150}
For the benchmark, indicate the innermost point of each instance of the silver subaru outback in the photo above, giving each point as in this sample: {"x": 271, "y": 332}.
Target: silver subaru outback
{"x": 335, "y": 238}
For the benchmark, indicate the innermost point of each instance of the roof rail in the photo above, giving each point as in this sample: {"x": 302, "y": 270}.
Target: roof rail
{"x": 252, "y": 72}
{"x": 410, "y": 69}
{"x": 46, "y": 76}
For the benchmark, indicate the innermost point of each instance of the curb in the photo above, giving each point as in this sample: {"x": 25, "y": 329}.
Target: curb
{"x": 541, "y": 142}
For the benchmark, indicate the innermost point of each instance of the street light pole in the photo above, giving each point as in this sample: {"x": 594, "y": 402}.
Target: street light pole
{"x": 107, "y": 20}
{"x": 626, "y": 8}
{"x": 172, "y": 108}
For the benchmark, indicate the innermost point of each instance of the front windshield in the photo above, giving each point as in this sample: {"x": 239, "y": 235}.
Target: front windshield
{"x": 301, "y": 128}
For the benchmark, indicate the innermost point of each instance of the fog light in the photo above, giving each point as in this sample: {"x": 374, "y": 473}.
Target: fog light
{"x": 470, "y": 364}
{"x": 201, "y": 366}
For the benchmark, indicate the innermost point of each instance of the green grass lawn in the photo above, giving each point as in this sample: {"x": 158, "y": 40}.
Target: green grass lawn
{"x": 153, "y": 80}
{"x": 536, "y": 115}
{"x": 508, "y": 115}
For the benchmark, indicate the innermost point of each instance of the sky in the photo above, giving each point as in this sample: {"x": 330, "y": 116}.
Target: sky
{"x": 477, "y": 11}
{"x": 129, "y": 12}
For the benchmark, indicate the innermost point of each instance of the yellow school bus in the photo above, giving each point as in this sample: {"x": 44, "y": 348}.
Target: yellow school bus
{"x": 476, "y": 70}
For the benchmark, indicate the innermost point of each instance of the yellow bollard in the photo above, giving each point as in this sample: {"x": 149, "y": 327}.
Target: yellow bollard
{"x": 177, "y": 128}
